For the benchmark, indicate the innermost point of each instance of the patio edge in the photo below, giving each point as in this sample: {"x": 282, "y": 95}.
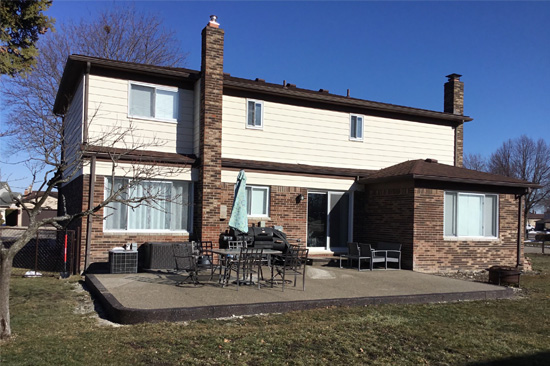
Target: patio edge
{"x": 123, "y": 315}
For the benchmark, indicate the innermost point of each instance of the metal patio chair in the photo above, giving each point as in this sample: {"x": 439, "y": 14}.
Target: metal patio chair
{"x": 293, "y": 262}
{"x": 186, "y": 262}
{"x": 355, "y": 253}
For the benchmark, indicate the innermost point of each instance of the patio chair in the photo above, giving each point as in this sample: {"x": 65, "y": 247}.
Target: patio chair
{"x": 377, "y": 256}
{"x": 206, "y": 257}
{"x": 293, "y": 262}
{"x": 354, "y": 253}
{"x": 247, "y": 264}
{"x": 186, "y": 261}
{"x": 393, "y": 252}
{"x": 235, "y": 244}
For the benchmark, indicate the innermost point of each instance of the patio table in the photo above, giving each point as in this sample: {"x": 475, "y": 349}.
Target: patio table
{"x": 225, "y": 254}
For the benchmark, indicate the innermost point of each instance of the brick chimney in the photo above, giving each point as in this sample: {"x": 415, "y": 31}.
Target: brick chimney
{"x": 208, "y": 193}
{"x": 454, "y": 95}
{"x": 454, "y": 103}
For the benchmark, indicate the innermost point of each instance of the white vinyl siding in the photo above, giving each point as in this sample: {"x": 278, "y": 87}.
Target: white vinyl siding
{"x": 258, "y": 201}
{"x": 171, "y": 212}
{"x": 254, "y": 114}
{"x": 291, "y": 180}
{"x": 356, "y": 128}
{"x": 303, "y": 135}
{"x": 74, "y": 119}
{"x": 470, "y": 215}
{"x": 108, "y": 111}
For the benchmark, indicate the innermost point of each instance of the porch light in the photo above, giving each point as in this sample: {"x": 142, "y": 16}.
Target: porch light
{"x": 300, "y": 198}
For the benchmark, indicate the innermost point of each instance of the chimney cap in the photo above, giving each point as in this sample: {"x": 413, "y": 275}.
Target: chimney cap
{"x": 214, "y": 21}
{"x": 453, "y": 76}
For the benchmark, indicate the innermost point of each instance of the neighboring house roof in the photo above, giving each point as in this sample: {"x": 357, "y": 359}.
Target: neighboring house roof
{"x": 534, "y": 216}
{"x": 37, "y": 194}
{"x": 429, "y": 169}
{"x": 76, "y": 65}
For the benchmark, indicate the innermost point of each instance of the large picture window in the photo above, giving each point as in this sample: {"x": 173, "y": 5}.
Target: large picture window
{"x": 148, "y": 101}
{"x": 471, "y": 214}
{"x": 258, "y": 201}
{"x": 171, "y": 212}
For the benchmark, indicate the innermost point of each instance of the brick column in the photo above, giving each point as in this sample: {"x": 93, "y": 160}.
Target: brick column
{"x": 208, "y": 191}
{"x": 454, "y": 103}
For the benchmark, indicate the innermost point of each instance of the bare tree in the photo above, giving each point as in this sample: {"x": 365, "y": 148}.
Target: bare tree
{"x": 527, "y": 159}
{"x": 475, "y": 162}
{"x": 119, "y": 33}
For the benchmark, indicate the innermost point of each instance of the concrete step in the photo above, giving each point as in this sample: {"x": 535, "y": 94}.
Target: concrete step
{"x": 324, "y": 260}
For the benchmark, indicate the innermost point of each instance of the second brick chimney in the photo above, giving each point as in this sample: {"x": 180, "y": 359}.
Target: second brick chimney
{"x": 454, "y": 103}
{"x": 454, "y": 95}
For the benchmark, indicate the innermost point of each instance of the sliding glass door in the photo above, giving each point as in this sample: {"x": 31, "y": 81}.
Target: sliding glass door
{"x": 328, "y": 223}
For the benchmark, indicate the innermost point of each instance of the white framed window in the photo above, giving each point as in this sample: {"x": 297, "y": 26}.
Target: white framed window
{"x": 258, "y": 201}
{"x": 470, "y": 215}
{"x": 152, "y": 102}
{"x": 254, "y": 114}
{"x": 172, "y": 212}
{"x": 356, "y": 127}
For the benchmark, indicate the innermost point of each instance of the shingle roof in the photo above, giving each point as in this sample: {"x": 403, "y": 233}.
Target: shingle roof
{"x": 293, "y": 168}
{"x": 430, "y": 170}
{"x": 323, "y": 96}
{"x": 76, "y": 64}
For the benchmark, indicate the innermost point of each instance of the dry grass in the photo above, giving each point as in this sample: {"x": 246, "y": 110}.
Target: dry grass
{"x": 48, "y": 331}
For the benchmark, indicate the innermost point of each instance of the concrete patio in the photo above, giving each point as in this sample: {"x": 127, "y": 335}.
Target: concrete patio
{"x": 154, "y": 296}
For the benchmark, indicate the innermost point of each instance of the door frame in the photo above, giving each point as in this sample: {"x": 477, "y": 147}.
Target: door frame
{"x": 328, "y": 247}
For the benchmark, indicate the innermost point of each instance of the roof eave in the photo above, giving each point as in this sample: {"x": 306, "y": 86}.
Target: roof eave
{"x": 341, "y": 100}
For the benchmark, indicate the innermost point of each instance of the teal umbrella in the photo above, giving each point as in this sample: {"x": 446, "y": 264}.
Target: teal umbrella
{"x": 239, "y": 216}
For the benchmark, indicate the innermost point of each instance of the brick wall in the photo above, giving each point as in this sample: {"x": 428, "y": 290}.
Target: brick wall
{"x": 102, "y": 242}
{"x": 70, "y": 201}
{"x": 284, "y": 210}
{"x": 208, "y": 189}
{"x": 459, "y": 146}
{"x": 432, "y": 253}
{"x": 384, "y": 212}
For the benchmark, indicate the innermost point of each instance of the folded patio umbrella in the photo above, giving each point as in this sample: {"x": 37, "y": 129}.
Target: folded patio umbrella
{"x": 239, "y": 216}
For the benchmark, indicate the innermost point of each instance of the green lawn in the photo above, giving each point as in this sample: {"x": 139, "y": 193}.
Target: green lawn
{"x": 48, "y": 331}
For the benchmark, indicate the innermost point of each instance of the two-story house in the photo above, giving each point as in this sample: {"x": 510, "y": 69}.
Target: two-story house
{"x": 327, "y": 168}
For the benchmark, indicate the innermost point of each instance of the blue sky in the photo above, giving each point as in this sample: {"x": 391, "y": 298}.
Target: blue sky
{"x": 393, "y": 52}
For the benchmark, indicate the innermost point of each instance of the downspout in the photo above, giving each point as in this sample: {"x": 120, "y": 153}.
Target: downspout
{"x": 520, "y": 231}
{"x": 89, "y": 217}
{"x": 86, "y": 91}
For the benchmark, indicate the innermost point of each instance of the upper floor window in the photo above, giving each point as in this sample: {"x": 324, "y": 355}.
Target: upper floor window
{"x": 156, "y": 102}
{"x": 471, "y": 214}
{"x": 356, "y": 128}
{"x": 258, "y": 201}
{"x": 254, "y": 114}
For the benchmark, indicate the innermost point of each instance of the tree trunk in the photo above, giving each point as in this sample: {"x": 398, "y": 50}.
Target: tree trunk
{"x": 6, "y": 262}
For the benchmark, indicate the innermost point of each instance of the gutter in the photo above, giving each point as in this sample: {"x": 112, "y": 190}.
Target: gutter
{"x": 91, "y": 190}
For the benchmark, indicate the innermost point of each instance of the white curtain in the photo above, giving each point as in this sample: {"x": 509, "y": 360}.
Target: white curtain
{"x": 257, "y": 201}
{"x": 450, "y": 214}
{"x": 169, "y": 212}
{"x": 166, "y": 104}
{"x": 142, "y": 100}
{"x": 470, "y": 215}
{"x": 490, "y": 216}
{"x": 251, "y": 108}
{"x": 115, "y": 212}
